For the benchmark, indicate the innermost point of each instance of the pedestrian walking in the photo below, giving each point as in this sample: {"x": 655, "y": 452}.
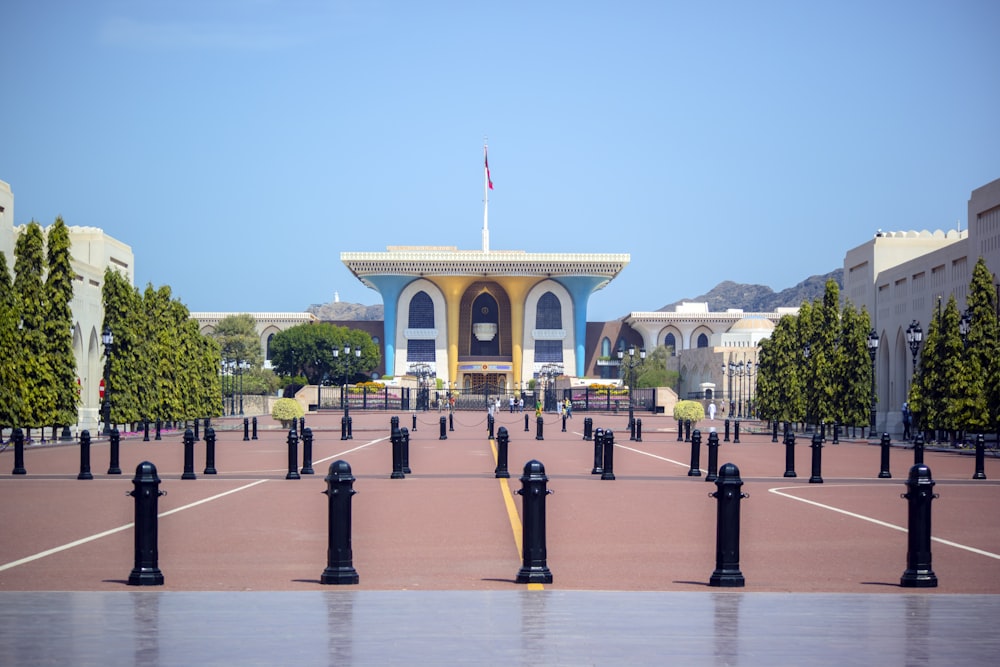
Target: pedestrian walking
{"x": 711, "y": 410}
{"x": 907, "y": 418}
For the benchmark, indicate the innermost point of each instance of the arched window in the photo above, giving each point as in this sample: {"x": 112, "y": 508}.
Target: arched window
{"x": 606, "y": 347}
{"x": 421, "y": 316}
{"x": 671, "y": 343}
{"x": 548, "y": 315}
{"x": 702, "y": 340}
{"x": 268, "y": 346}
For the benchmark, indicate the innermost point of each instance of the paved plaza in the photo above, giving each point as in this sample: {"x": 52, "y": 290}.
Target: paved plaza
{"x": 437, "y": 553}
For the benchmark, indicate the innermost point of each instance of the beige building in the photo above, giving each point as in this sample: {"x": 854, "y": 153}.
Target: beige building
{"x": 900, "y": 277}
{"x": 91, "y": 251}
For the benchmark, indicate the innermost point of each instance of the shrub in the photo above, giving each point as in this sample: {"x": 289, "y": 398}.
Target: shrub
{"x": 286, "y": 409}
{"x": 692, "y": 410}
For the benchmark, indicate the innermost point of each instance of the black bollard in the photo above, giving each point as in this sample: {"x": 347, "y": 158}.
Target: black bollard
{"x": 339, "y": 553}
{"x": 254, "y": 424}
{"x": 307, "y": 452}
{"x": 588, "y": 428}
{"x": 405, "y": 432}
{"x": 789, "y": 453}
{"x": 539, "y": 424}
{"x": 503, "y": 440}
{"x": 980, "y": 456}
{"x": 598, "y": 452}
{"x": 302, "y": 426}
{"x": 727, "y": 529}
{"x": 393, "y": 423}
{"x": 159, "y": 427}
{"x": 145, "y": 430}
{"x": 736, "y": 432}
{"x": 695, "y": 470}
{"x": 919, "y": 493}
{"x": 414, "y": 421}
{"x": 489, "y": 427}
{"x": 246, "y": 429}
{"x": 444, "y": 429}
{"x": 712, "y": 473}
{"x": 115, "y": 448}
{"x": 836, "y": 433}
{"x": 343, "y": 428}
{"x": 918, "y": 449}
{"x": 680, "y": 431}
{"x": 817, "y": 459}
{"x": 534, "y": 567}
{"x": 609, "y": 455}
{"x": 526, "y": 422}
{"x": 210, "y": 451}
{"x": 884, "y": 471}
{"x": 146, "y": 491}
{"x": 564, "y": 422}
{"x": 397, "y": 454}
{"x": 687, "y": 430}
{"x": 726, "y": 439}
{"x": 638, "y": 430}
{"x": 17, "y": 435}
{"x": 188, "y": 455}
{"x": 293, "y": 453}
{"x": 85, "y": 457}
{"x": 451, "y": 421}
{"x": 197, "y": 432}
{"x": 631, "y": 425}
{"x": 350, "y": 427}
{"x": 774, "y": 431}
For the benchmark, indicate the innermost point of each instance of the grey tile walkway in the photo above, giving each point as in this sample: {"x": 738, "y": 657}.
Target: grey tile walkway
{"x": 343, "y": 627}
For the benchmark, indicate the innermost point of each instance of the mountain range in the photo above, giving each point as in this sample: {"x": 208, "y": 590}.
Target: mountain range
{"x": 725, "y": 295}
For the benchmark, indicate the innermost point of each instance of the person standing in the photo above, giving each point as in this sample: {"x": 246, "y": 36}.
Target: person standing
{"x": 711, "y": 410}
{"x": 907, "y": 418}
{"x": 511, "y": 402}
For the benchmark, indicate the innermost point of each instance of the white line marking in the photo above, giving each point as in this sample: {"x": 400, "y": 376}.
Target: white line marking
{"x": 639, "y": 451}
{"x": 97, "y": 536}
{"x": 778, "y": 492}
{"x": 348, "y": 451}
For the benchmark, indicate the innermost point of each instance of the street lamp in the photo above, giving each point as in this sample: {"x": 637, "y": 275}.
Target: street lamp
{"x": 108, "y": 338}
{"x": 751, "y": 372}
{"x": 872, "y": 351}
{"x": 423, "y": 373}
{"x": 963, "y": 327}
{"x": 914, "y": 336}
{"x": 631, "y": 365}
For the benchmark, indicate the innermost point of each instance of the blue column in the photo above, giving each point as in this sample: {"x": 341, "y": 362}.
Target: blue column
{"x": 580, "y": 288}
{"x": 390, "y": 287}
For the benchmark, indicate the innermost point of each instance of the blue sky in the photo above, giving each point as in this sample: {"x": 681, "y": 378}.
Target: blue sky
{"x": 239, "y": 146}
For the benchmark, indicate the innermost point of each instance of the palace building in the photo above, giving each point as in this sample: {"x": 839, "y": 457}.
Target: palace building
{"x": 482, "y": 319}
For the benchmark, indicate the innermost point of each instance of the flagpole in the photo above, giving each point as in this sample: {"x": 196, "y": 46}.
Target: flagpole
{"x": 486, "y": 199}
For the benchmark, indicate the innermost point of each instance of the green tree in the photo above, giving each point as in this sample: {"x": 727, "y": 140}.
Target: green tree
{"x": 956, "y": 399}
{"x": 927, "y": 391}
{"x": 779, "y": 393}
{"x": 308, "y": 350}
{"x": 38, "y": 407}
{"x": 853, "y": 370}
{"x": 123, "y": 318}
{"x": 11, "y": 383}
{"x": 652, "y": 371}
{"x": 58, "y": 324}
{"x": 982, "y": 356}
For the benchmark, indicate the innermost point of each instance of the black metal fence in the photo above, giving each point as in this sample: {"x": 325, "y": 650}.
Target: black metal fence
{"x": 584, "y": 399}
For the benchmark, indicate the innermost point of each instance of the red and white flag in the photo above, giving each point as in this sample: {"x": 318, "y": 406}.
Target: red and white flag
{"x": 486, "y": 160}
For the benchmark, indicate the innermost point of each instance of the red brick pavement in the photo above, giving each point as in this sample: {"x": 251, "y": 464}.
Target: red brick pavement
{"x": 447, "y": 525}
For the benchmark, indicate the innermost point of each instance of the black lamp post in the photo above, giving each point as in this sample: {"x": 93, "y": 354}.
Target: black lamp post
{"x": 872, "y": 352}
{"x": 423, "y": 373}
{"x": 108, "y": 338}
{"x": 914, "y": 336}
{"x": 751, "y": 373}
{"x": 244, "y": 365}
{"x": 630, "y": 365}
{"x": 550, "y": 372}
